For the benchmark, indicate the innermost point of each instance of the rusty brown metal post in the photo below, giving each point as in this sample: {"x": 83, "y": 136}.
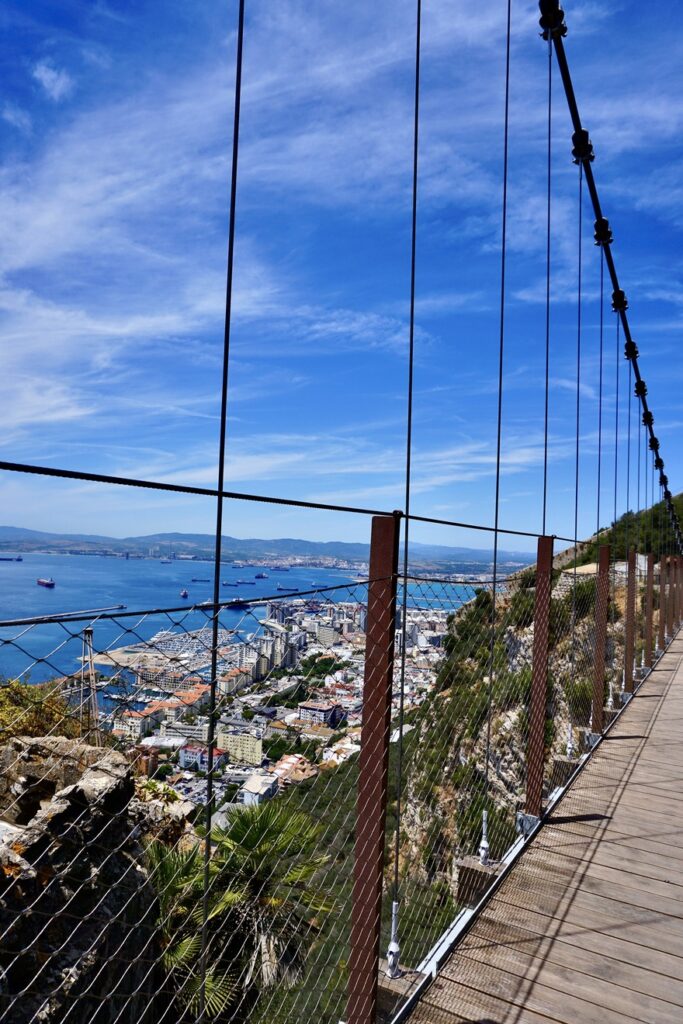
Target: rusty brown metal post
{"x": 673, "y": 590}
{"x": 601, "y": 603}
{"x": 670, "y": 574}
{"x": 677, "y": 593}
{"x": 649, "y": 586}
{"x": 366, "y": 908}
{"x": 661, "y": 625}
{"x": 539, "y": 678}
{"x": 629, "y": 642}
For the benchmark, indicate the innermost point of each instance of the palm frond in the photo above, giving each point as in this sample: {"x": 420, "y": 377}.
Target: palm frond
{"x": 230, "y": 898}
{"x": 183, "y": 952}
{"x": 303, "y": 872}
{"x": 219, "y": 990}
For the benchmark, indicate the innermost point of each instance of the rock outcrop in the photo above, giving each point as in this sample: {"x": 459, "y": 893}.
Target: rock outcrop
{"x": 77, "y": 911}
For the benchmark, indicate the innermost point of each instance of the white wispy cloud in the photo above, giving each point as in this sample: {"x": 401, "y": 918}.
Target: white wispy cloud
{"x": 57, "y": 83}
{"x": 17, "y": 117}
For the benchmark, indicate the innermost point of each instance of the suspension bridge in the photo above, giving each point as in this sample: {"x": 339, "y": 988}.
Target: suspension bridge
{"x": 501, "y": 840}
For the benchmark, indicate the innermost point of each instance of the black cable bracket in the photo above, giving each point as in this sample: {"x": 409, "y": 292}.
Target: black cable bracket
{"x": 552, "y": 19}
{"x": 603, "y": 232}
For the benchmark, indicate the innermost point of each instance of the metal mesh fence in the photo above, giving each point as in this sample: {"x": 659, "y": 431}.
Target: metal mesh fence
{"x": 145, "y": 880}
{"x": 115, "y": 906}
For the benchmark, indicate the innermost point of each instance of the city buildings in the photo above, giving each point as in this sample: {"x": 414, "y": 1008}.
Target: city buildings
{"x": 242, "y": 747}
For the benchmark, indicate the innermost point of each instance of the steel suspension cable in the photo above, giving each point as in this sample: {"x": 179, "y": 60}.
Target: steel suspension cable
{"x": 219, "y": 500}
{"x": 628, "y": 460}
{"x": 499, "y": 423}
{"x": 600, "y": 382}
{"x": 636, "y": 441}
{"x": 393, "y": 952}
{"x": 616, "y": 442}
{"x": 547, "y": 286}
{"x": 570, "y": 728}
{"x": 554, "y": 28}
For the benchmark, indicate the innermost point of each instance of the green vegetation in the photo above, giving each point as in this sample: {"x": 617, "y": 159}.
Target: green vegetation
{"x": 579, "y": 694}
{"x": 649, "y": 530}
{"x": 291, "y": 743}
{"x": 178, "y": 879}
{"x": 265, "y": 908}
{"x": 33, "y": 709}
{"x": 319, "y": 667}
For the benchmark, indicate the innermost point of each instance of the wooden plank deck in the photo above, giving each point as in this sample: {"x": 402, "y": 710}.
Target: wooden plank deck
{"x": 588, "y": 925}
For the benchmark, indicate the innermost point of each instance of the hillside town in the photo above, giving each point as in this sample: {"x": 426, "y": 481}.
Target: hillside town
{"x": 289, "y": 697}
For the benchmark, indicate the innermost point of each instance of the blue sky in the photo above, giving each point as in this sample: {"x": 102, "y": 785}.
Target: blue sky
{"x": 115, "y": 138}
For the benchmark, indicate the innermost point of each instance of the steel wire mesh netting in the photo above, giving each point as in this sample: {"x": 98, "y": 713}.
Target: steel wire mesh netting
{"x": 571, "y": 670}
{"x": 114, "y": 906}
{"x": 465, "y": 732}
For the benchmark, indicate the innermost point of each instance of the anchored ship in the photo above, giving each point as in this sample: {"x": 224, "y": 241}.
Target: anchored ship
{"x": 46, "y": 583}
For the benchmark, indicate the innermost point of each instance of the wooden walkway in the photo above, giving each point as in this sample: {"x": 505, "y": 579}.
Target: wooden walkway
{"x": 588, "y": 926}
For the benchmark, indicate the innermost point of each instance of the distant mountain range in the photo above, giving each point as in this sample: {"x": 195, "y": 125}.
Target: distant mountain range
{"x": 16, "y": 538}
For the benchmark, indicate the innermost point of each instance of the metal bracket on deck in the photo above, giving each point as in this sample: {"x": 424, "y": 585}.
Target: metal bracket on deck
{"x": 526, "y": 823}
{"x": 625, "y": 697}
{"x": 593, "y": 738}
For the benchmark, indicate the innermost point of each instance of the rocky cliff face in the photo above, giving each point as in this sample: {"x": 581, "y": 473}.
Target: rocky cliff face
{"x": 455, "y": 768}
{"x": 77, "y": 911}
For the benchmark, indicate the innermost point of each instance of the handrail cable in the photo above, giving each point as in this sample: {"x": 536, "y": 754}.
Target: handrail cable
{"x": 212, "y": 492}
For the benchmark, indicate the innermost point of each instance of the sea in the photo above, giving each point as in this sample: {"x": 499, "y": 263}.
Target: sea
{"x": 88, "y": 584}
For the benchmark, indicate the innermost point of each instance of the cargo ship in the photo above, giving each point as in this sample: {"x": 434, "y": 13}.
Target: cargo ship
{"x": 46, "y": 583}
{"x": 261, "y": 576}
{"x": 11, "y": 558}
{"x": 184, "y": 593}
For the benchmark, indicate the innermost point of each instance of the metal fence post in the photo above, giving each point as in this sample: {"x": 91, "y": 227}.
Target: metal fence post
{"x": 366, "y": 908}
{"x": 677, "y": 592}
{"x": 673, "y": 589}
{"x": 649, "y": 584}
{"x": 661, "y": 623}
{"x": 629, "y": 641}
{"x": 601, "y": 603}
{"x": 670, "y": 597}
{"x": 673, "y": 586}
{"x": 539, "y": 678}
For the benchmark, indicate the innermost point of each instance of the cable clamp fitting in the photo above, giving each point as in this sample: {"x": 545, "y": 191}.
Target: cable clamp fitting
{"x": 659, "y": 461}
{"x": 552, "y": 19}
{"x": 654, "y": 444}
{"x": 619, "y": 301}
{"x": 664, "y": 482}
{"x": 631, "y": 352}
{"x": 603, "y": 232}
{"x": 640, "y": 390}
{"x": 648, "y": 419}
{"x": 583, "y": 147}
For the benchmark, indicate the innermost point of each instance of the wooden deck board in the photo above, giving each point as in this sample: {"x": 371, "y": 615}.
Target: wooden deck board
{"x": 588, "y": 925}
